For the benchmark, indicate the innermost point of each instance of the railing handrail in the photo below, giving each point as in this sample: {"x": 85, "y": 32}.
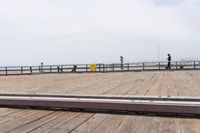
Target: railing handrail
{"x": 6, "y": 70}
{"x": 98, "y": 63}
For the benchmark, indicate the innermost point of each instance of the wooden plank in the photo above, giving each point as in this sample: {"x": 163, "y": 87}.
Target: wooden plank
{"x": 181, "y": 85}
{"x": 96, "y": 86}
{"x": 37, "y": 123}
{"x": 127, "y": 125}
{"x": 71, "y": 125}
{"x": 189, "y": 126}
{"x": 113, "y": 122}
{"x": 91, "y": 124}
{"x": 143, "y": 88}
{"x": 6, "y": 111}
{"x": 193, "y": 83}
{"x": 122, "y": 88}
{"x": 168, "y": 125}
{"x": 14, "y": 116}
{"x": 22, "y": 119}
{"x": 52, "y": 125}
{"x": 146, "y": 125}
{"x": 154, "y": 88}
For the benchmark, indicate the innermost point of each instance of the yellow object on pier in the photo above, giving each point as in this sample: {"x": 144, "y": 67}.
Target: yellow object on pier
{"x": 93, "y": 67}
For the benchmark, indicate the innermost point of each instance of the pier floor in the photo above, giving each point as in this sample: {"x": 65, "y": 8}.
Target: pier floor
{"x": 162, "y": 83}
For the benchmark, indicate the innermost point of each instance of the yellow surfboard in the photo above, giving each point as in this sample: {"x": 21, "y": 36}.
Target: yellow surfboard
{"x": 93, "y": 67}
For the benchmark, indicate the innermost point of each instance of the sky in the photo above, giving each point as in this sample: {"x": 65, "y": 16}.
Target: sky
{"x": 98, "y": 31}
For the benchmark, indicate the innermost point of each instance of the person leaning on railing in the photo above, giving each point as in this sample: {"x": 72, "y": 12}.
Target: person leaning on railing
{"x": 122, "y": 62}
{"x": 169, "y": 61}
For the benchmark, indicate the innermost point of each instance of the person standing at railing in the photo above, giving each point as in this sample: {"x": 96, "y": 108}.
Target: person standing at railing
{"x": 122, "y": 62}
{"x": 169, "y": 59}
{"x": 41, "y": 67}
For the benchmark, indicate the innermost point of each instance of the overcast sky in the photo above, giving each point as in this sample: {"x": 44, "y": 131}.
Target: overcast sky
{"x": 98, "y": 31}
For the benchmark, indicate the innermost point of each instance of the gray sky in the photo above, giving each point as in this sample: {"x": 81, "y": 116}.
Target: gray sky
{"x": 94, "y": 31}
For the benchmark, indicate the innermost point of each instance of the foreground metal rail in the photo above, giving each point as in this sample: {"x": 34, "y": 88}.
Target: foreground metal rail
{"x": 168, "y": 105}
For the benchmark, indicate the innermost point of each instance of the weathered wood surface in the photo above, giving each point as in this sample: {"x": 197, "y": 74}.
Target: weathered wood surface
{"x": 173, "y": 83}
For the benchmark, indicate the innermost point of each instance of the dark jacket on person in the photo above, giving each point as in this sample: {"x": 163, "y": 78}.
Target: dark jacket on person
{"x": 169, "y": 58}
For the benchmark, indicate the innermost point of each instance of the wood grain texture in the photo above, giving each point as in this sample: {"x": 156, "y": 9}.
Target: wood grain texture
{"x": 163, "y": 83}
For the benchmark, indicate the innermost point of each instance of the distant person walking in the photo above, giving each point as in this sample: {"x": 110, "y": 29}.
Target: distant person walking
{"x": 74, "y": 68}
{"x": 122, "y": 62}
{"x": 169, "y": 59}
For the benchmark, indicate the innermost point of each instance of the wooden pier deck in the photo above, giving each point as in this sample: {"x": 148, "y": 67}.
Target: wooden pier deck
{"x": 162, "y": 83}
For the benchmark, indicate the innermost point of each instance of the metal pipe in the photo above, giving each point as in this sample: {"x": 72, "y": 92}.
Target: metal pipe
{"x": 139, "y": 104}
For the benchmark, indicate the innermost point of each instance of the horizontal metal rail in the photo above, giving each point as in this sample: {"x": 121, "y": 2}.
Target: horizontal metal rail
{"x": 80, "y": 68}
{"x": 126, "y": 97}
{"x": 173, "y": 105}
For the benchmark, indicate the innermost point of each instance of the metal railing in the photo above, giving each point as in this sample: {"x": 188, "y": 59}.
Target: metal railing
{"x": 146, "y": 66}
{"x": 161, "y": 106}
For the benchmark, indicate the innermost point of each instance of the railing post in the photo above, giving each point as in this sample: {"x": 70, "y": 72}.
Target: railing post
{"x": 42, "y": 64}
{"x": 176, "y": 66}
{"x": 58, "y": 69}
{"x": 103, "y": 67}
{"x": 6, "y": 71}
{"x": 143, "y": 66}
{"x": 21, "y": 70}
{"x": 61, "y": 69}
{"x": 50, "y": 69}
{"x": 99, "y": 67}
{"x": 159, "y": 65}
{"x": 198, "y": 64}
{"x": 113, "y": 67}
{"x": 31, "y": 70}
{"x": 194, "y": 65}
{"x": 86, "y": 68}
{"x": 128, "y": 66}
